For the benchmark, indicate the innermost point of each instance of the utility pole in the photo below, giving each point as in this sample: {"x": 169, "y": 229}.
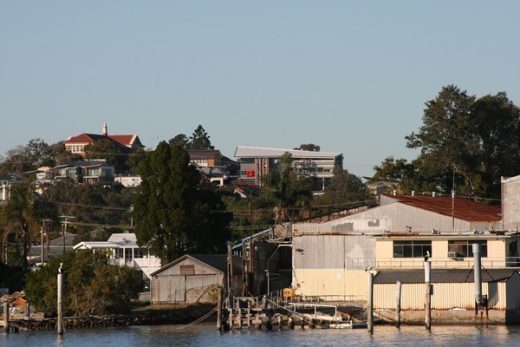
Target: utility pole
{"x": 42, "y": 241}
{"x": 65, "y": 221}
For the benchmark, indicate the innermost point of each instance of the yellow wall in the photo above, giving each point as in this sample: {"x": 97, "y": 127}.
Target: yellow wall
{"x": 332, "y": 284}
{"x": 496, "y": 255}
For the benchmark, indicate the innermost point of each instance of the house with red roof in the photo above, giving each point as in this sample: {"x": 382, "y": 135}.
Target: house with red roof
{"x": 76, "y": 144}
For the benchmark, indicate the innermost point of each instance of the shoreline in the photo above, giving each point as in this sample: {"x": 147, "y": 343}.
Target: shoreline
{"x": 152, "y": 316}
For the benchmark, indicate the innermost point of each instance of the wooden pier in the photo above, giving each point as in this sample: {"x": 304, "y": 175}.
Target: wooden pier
{"x": 272, "y": 314}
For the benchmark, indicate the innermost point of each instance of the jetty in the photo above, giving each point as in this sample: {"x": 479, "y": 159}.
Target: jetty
{"x": 279, "y": 313}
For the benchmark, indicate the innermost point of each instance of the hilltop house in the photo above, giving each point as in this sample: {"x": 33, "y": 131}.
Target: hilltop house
{"x": 76, "y": 144}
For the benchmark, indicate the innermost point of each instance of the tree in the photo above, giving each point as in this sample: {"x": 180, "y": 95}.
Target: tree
{"x": 309, "y": 147}
{"x": 287, "y": 192}
{"x": 496, "y": 123}
{"x": 109, "y": 150}
{"x": 181, "y": 140}
{"x": 174, "y": 212}
{"x": 38, "y": 153}
{"x": 469, "y": 140}
{"x": 345, "y": 188}
{"x": 92, "y": 286}
{"x": 200, "y": 139}
{"x": 18, "y": 216}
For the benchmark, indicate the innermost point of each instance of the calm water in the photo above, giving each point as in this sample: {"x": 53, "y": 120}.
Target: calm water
{"x": 205, "y": 335}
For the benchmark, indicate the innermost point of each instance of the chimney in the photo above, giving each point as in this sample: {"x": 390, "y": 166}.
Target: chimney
{"x": 105, "y": 129}
{"x": 395, "y": 192}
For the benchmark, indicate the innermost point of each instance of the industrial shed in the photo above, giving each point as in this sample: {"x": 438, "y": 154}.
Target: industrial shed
{"x": 192, "y": 279}
{"x": 452, "y": 289}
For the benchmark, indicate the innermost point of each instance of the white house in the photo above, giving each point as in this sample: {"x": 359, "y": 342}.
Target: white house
{"x": 122, "y": 249}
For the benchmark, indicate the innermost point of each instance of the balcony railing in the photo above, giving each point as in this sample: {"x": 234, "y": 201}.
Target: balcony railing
{"x": 437, "y": 263}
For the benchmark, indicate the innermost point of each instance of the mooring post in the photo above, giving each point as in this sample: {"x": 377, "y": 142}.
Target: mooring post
{"x": 428, "y": 295}
{"x": 219, "y": 309}
{"x": 6, "y": 316}
{"x": 27, "y": 310}
{"x": 398, "y": 305}
{"x": 59, "y": 321}
{"x": 370, "y": 314}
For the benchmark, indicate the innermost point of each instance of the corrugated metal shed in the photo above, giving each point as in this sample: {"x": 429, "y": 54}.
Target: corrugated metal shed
{"x": 442, "y": 276}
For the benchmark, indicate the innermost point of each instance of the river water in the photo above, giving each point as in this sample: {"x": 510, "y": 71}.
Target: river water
{"x": 205, "y": 335}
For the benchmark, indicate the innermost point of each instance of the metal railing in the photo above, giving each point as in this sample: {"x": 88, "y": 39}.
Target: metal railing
{"x": 437, "y": 263}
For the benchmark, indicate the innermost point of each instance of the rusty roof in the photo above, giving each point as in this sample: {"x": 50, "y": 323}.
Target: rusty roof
{"x": 442, "y": 276}
{"x": 464, "y": 209}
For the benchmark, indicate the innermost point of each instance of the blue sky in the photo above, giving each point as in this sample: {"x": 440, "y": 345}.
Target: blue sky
{"x": 350, "y": 76}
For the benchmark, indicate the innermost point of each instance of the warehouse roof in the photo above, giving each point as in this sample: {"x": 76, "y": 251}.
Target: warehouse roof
{"x": 464, "y": 209}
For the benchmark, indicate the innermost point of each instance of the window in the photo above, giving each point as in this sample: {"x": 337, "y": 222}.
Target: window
{"x": 412, "y": 249}
{"x": 187, "y": 269}
{"x": 464, "y": 248}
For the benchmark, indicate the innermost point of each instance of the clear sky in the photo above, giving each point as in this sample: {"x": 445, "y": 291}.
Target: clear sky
{"x": 350, "y": 76}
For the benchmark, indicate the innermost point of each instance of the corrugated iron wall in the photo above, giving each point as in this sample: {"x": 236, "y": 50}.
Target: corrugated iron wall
{"x": 445, "y": 295}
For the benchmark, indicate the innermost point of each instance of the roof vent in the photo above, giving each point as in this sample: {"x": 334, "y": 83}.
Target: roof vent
{"x": 433, "y": 194}
{"x": 413, "y": 192}
{"x": 395, "y": 192}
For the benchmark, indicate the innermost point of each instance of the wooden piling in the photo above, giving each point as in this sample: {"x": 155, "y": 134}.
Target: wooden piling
{"x": 398, "y": 305}
{"x": 428, "y": 297}
{"x": 219, "y": 309}
{"x": 6, "y": 317}
{"x": 370, "y": 313}
{"x": 59, "y": 321}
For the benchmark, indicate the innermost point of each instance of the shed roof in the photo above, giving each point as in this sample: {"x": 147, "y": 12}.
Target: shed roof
{"x": 464, "y": 209}
{"x": 217, "y": 261}
{"x": 442, "y": 276}
{"x": 263, "y": 152}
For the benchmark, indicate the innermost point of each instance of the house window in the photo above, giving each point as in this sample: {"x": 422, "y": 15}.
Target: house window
{"x": 464, "y": 248}
{"x": 412, "y": 249}
{"x": 187, "y": 270}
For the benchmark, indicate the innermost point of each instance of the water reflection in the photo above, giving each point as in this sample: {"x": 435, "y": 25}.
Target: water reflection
{"x": 206, "y": 335}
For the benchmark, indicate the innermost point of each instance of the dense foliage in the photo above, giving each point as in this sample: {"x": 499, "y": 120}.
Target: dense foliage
{"x": 175, "y": 212}
{"x": 91, "y": 286}
{"x": 465, "y": 142}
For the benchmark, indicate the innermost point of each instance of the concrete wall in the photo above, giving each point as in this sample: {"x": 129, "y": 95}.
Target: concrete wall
{"x": 511, "y": 203}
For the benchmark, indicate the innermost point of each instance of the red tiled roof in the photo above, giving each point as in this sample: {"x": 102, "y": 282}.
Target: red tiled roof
{"x": 464, "y": 209}
{"x": 83, "y": 138}
{"x": 125, "y": 140}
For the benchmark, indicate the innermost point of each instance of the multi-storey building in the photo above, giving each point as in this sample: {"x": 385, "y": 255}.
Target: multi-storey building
{"x": 257, "y": 162}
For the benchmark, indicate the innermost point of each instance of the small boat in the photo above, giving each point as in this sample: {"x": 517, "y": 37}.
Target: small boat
{"x": 348, "y": 325}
